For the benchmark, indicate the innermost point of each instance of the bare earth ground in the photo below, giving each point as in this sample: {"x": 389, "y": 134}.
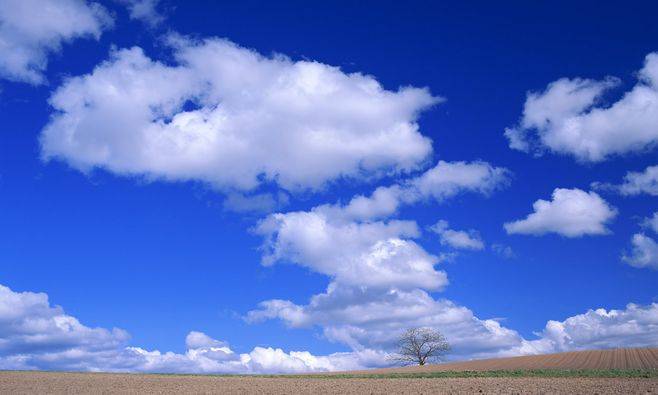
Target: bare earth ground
{"x": 610, "y": 361}
{"x": 622, "y": 358}
{"x": 100, "y": 383}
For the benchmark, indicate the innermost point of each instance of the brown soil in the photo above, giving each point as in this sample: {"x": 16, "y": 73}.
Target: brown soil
{"x": 100, "y": 383}
{"x": 106, "y": 383}
{"x": 624, "y": 358}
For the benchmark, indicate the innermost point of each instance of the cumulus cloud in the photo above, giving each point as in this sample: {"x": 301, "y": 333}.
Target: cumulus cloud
{"x": 448, "y": 179}
{"x": 348, "y": 244}
{"x": 569, "y": 117}
{"x": 30, "y": 30}
{"x": 643, "y": 253}
{"x": 379, "y": 282}
{"x": 459, "y": 239}
{"x": 634, "y": 326}
{"x": 379, "y": 277}
{"x": 261, "y": 360}
{"x": 33, "y": 333}
{"x": 570, "y": 213}
{"x": 443, "y": 181}
{"x": 195, "y": 340}
{"x": 376, "y": 254}
{"x": 354, "y": 245}
{"x": 234, "y": 119}
{"x": 144, "y": 10}
{"x": 635, "y": 183}
{"x": 36, "y": 335}
{"x": 644, "y": 249}
{"x": 365, "y": 318}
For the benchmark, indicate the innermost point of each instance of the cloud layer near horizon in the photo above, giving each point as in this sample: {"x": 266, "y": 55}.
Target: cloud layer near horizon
{"x": 37, "y": 335}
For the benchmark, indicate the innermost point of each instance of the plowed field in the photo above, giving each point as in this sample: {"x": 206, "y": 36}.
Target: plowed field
{"x": 93, "y": 383}
{"x": 624, "y": 358}
{"x": 381, "y": 381}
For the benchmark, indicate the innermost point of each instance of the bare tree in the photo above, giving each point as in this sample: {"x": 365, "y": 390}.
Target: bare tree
{"x": 419, "y": 346}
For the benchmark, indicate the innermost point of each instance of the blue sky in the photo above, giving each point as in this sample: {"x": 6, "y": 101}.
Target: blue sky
{"x": 128, "y": 214}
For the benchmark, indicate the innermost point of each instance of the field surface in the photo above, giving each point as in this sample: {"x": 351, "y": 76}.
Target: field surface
{"x": 624, "y": 371}
{"x": 99, "y": 383}
{"x": 618, "y": 359}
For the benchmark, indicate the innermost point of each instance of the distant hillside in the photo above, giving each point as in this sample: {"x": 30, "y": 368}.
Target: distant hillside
{"x": 622, "y": 358}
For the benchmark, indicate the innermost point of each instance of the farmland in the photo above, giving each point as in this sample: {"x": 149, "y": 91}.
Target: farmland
{"x": 614, "y": 371}
{"x": 82, "y": 383}
{"x": 622, "y": 359}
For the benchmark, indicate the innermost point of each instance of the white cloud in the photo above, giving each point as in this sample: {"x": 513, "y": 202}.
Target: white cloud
{"x": 379, "y": 278}
{"x": 562, "y": 99}
{"x": 29, "y": 324}
{"x": 644, "y": 249}
{"x": 30, "y": 30}
{"x": 365, "y": 318}
{"x": 197, "y": 339}
{"x": 375, "y": 254}
{"x": 635, "y": 326}
{"x": 466, "y": 240}
{"x": 382, "y": 203}
{"x": 635, "y": 183}
{"x": 570, "y": 213}
{"x": 443, "y": 181}
{"x": 644, "y": 252}
{"x": 345, "y": 243}
{"x": 379, "y": 275}
{"x": 36, "y": 335}
{"x": 261, "y": 360}
{"x": 32, "y": 331}
{"x": 448, "y": 179}
{"x": 232, "y": 118}
{"x": 144, "y": 10}
{"x": 569, "y": 118}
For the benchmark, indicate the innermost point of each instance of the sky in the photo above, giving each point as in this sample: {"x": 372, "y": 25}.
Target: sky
{"x": 249, "y": 187}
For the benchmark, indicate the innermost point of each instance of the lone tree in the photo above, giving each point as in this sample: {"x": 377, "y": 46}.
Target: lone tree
{"x": 419, "y": 346}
